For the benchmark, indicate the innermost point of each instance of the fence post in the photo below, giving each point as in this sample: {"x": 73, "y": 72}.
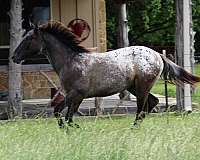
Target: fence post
{"x": 165, "y": 82}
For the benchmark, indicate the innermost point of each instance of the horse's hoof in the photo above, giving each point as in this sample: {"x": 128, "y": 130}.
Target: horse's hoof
{"x": 74, "y": 125}
{"x": 61, "y": 126}
{"x": 135, "y": 125}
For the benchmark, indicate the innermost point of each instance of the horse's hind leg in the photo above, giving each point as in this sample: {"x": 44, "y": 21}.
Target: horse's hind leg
{"x": 141, "y": 91}
{"x": 151, "y": 102}
{"x": 141, "y": 101}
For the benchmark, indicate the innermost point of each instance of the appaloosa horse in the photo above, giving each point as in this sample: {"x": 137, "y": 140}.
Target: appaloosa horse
{"x": 83, "y": 74}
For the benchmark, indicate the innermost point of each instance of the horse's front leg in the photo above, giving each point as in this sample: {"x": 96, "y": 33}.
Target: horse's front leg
{"x": 57, "y": 113}
{"x": 72, "y": 108}
{"x": 74, "y": 100}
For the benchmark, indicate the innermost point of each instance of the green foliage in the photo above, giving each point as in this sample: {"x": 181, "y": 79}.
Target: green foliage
{"x": 159, "y": 137}
{"x": 196, "y": 15}
{"x": 111, "y": 24}
{"x": 158, "y": 21}
{"x": 151, "y": 22}
{"x": 196, "y": 23}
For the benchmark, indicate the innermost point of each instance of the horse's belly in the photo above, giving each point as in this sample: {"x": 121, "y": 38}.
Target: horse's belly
{"x": 109, "y": 75}
{"x": 108, "y": 83}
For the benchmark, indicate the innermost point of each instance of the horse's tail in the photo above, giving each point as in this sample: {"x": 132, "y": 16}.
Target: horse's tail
{"x": 176, "y": 74}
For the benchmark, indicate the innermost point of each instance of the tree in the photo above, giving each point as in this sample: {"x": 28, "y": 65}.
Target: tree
{"x": 196, "y": 23}
{"x": 151, "y": 22}
{"x": 16, "y": 32}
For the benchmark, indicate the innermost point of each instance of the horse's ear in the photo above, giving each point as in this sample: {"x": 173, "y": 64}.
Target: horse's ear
{"x": 31, "y": 24}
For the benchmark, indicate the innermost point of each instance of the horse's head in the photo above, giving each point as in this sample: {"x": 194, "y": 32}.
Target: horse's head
{"x": 31, "y": 44}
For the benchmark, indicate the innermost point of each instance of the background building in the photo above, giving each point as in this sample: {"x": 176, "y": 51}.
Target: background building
{"x": 35, "y": 85}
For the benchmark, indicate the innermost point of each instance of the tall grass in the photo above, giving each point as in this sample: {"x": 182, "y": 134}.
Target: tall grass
{"x": 159, "y": 137}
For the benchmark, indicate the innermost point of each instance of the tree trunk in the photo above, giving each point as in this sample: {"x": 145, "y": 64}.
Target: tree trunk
{"x": 183, "y": 53}
{"x": 123, "y": 35}
{"x": 16, "y": 32}
{"x": 122, "y": 25}
{"x": 179, "y": 50}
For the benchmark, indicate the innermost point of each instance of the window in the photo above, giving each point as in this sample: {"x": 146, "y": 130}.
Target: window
{"x": 4, "y": 31}
{"x": 38, "y": 11}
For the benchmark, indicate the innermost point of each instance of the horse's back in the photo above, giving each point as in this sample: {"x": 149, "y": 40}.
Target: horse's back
{"x": 142, "y": 58}
{"x": 132, "y": 60}
{"x": 143, "y": 61}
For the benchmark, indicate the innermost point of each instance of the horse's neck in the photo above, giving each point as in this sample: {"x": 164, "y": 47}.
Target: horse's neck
{"x": 57, "y": 52}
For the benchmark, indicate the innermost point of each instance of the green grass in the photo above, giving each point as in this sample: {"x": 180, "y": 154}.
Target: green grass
{"x": 158, "y": 138}
{"x": 158, "y": 88}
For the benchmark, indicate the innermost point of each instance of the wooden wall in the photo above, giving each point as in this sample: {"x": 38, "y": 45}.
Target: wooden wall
{"x": 67, "y": 10}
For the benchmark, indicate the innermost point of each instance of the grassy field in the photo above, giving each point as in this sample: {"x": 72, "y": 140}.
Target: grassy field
{"x": 160, "y": 137}
{"x": 159, "y": 88}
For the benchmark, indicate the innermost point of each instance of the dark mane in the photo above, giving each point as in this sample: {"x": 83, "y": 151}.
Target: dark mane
{"x": 63, "y": 34}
